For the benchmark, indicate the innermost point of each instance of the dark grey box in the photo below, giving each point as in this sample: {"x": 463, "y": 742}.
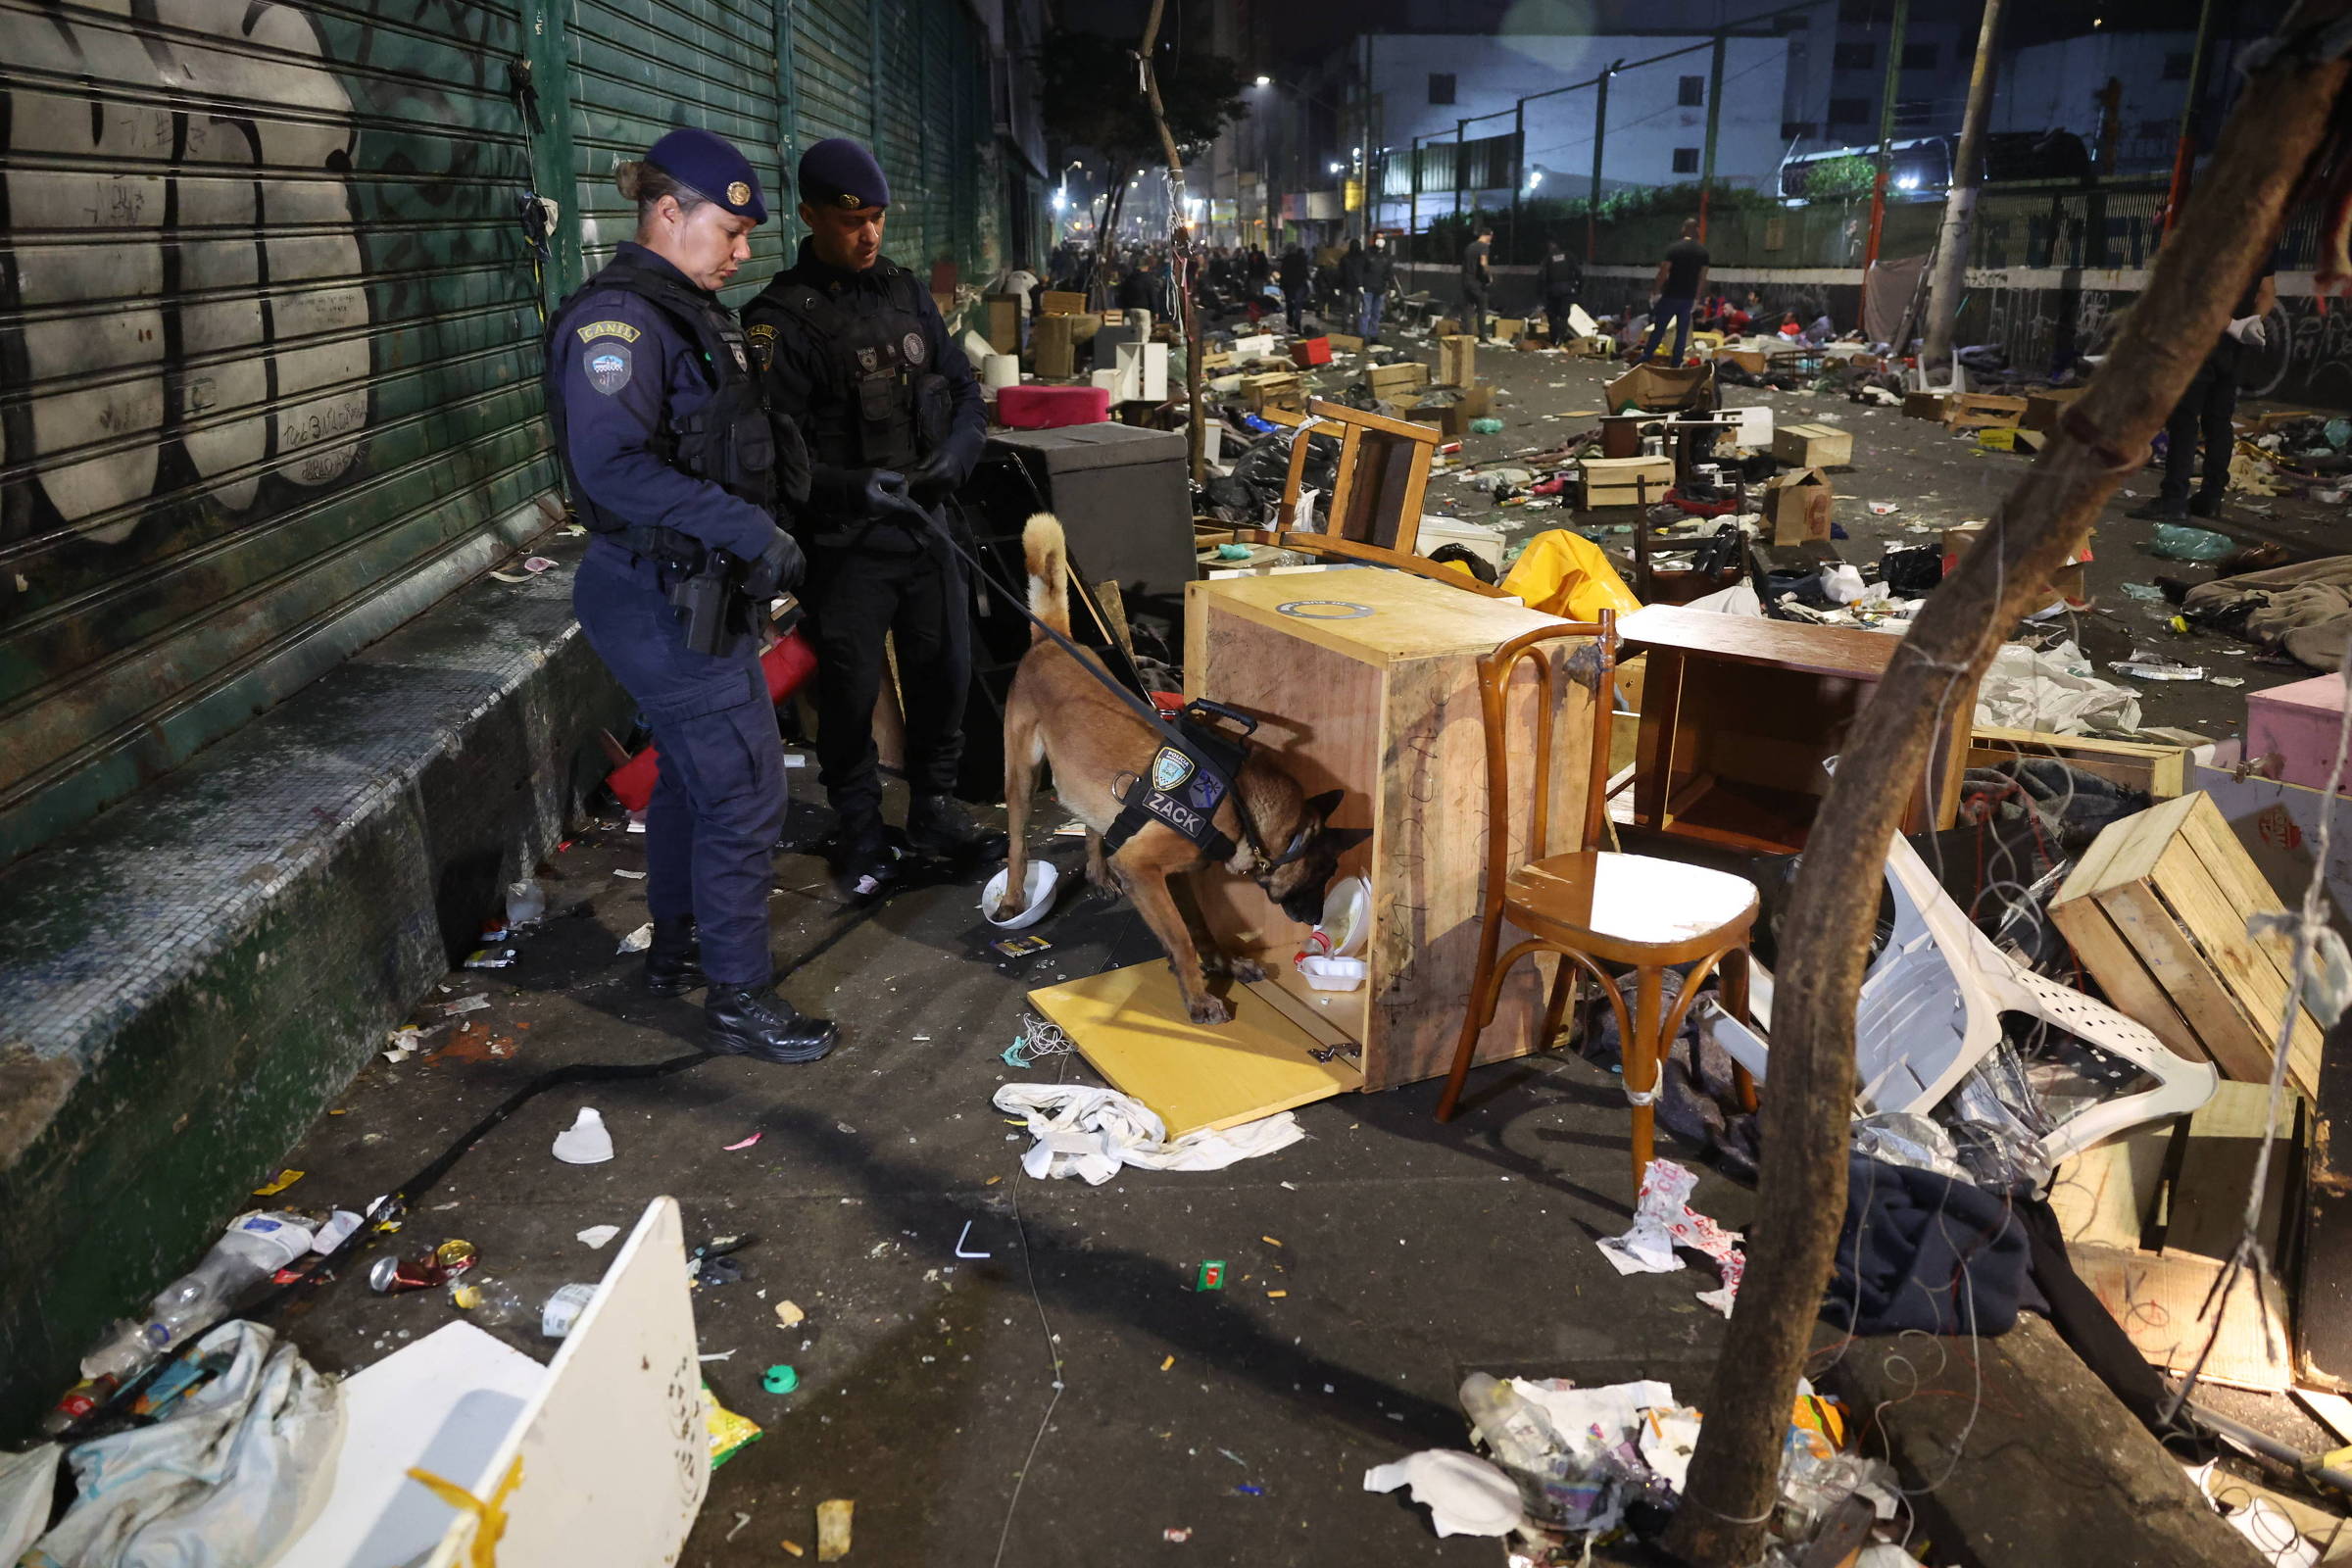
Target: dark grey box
{"x": 1124, "y": 501}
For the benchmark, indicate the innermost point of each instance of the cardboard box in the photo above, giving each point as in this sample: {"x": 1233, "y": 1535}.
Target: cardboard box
{"x": 1253, "y": 345}
{"x": 1457, "y": 360}
{"x": 1752, "y": 361}
{"x": 2043, "y": 408}
{"x": 1660, "y": 389}
{"x": 1279, "y": 391}
{"x": 1814, "y": 446}
{"x": 1455, "y": 417}
{"x": 1054, "y": 345}
{"x": 1963, "y": 411}
{"x": 1004, "y": 318}
{"x": 1510, "y": 329}
{"x": 2012, "y": 438}
{"x": 1346, "y": 343}
{"x": 1393, "y": 382}
{"x": 1626, "y": 481}
{"x": 2067, "y": 582}
{"x": 1310, "y": 351}
{"x": 1060, "y": 302}
{"x": 1797, "y": 504}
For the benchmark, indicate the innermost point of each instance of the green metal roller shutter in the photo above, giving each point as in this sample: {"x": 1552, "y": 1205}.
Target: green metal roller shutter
{"x": 833, "y": 71}
{"x": 640, "y": 67}
{"x": 268, "y": 360}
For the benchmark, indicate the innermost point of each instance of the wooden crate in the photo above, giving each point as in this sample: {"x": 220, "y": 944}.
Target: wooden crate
{"x": 1060, "y": 302}
{"x": 2156, "y": 909}
{"x": 1457, "y": 360}
{"x": 1272, "y": 392}
{"x": 1394, "y": 381}
{"x": 1814, "y": 446}
{"x": 1627, "y": 481}
{"x": 1964, "y": 411}
{"x": 1366, "y": 681}
{"x": 2160, "y": 773}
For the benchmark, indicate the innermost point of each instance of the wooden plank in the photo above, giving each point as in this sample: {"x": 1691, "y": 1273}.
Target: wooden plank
{"x": 2324, "y": 1293}
{"x": 1409, "y": 617}
{"x": 2108, "y": 1194}
{"x": 1788, "y": 645}
{"x": 2152, "y": 926}
{"x": 1131, "y": 1027}
{"x": 2110, "y": 961}
{"x": 2331, "y": 1410}
{"x": 2160, "y": 772}
{"x": 2219, "y": 1150}
{"x": 2218, "y": 850}
{"x": 2161, "y": 1303}
{"x": 2216, "y": 921}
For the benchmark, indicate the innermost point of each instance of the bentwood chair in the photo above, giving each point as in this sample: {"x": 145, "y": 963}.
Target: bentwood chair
{"x": 1600, "y": 910}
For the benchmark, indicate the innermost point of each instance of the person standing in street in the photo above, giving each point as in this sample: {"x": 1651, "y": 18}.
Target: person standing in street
{"x": 1561, "y": 278}
{"x": 1376, "y": 271}
{"x": 1478, "y": 278}
{"x": 1297, "y": 276}
{"x": 1681, "y": 278}
{"x": 851, "y": 349}
{"x": 674, "y": 469}
{"x": 2207, "y": 408}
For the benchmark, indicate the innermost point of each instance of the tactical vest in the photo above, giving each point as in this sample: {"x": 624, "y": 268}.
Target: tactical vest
{"x": 889, "y": 403}
{"x": 728, "y": 440}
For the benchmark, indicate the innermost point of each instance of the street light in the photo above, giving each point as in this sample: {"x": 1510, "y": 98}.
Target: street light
{"x": 1265, "y": 81}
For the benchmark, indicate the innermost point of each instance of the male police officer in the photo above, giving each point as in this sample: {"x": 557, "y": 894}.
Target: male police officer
{"x": 854, "y": 352}
{"x": 675, "y": 468}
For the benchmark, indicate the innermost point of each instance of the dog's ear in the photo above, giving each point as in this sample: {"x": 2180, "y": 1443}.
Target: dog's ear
{"x": 1343, "y": 839}
{"x": 1323, "y": 804}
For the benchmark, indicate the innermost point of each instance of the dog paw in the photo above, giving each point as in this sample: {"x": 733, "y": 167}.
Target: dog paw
{"x": 1209, "y": 1011}
{"x": 1249, "y": 971}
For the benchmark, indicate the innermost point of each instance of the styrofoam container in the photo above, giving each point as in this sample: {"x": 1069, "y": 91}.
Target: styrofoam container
{"x": 1041, "y": 878}
{"x": 1333, "y": 974}
{"x": 1348, "y": 915}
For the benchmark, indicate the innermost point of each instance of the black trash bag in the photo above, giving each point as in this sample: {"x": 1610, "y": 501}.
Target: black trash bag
{"x": 1911, "y": 569}
{"x": 1265, "y": 468}
{"x": 1235, "y": 501}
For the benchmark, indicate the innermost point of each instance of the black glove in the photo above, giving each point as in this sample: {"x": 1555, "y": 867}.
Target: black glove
{"x": 779, "y": 567}
{"x": 882, "y": 491}
{"x": 931, "y": 480}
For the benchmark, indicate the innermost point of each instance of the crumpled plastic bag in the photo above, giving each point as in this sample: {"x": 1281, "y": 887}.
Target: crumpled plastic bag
{"x": 1564, "y": 573}
{"x": 225, "y": 1480}
{"x": 1088, "y": 1132}
{"x": 2053, "y": 691}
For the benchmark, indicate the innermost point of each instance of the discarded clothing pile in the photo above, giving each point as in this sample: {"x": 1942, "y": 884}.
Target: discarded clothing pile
{"x": 2304, "y": 610}
{"x": 1088, "y": 1132}
{"x": 1920, "y": 1251}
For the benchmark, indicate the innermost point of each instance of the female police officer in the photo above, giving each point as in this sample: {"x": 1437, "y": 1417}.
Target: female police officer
{"x": 675, "y": 471}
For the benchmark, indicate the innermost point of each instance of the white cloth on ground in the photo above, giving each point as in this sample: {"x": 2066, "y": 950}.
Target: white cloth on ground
{"x": 2053, "y": 691}
{"x": 1090, "y": 1132}
{"x": 1465, "y": 1495}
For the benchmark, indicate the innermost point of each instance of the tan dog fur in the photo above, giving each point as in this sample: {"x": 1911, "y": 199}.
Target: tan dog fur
{"x": 1058, "y": 713}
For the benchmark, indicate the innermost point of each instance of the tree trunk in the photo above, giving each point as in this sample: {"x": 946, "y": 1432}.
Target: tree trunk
{"x": 2229, "y": 228}
{"x": 1180, "y": 246}
{"x": 1960, "y": 205}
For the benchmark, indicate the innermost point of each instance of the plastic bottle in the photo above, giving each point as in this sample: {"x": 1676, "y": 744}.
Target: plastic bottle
{"x": 1519, "y": 1435}
{"x": 494, "y": 1301}
{"x": 256, "y": 1246}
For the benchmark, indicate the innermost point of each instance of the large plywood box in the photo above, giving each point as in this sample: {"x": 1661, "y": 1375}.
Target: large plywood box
{"x": 1366, "y": 681}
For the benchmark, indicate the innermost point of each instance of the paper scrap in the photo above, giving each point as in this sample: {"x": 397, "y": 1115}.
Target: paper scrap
{"x": 634, "y": 876}
{"x": 284, "y": 1180}
{"x": 833, "y": 1528}
{"x": 789, "y": 1314}
{"x": 596, "y": 1236}
{"x": 1663, "y": 1219}
{"x": 585, "y": 1141}
{"x": 638, "y": 940}
{"x": 1465, "y": 1495}
{"x": 745, "y": 1144}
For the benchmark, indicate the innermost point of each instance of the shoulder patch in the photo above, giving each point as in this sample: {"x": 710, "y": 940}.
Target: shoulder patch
{"x": 593, "y": 330}
{"x": 609, "y": 367}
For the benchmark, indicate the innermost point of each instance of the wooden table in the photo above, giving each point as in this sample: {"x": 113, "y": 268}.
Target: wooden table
{"x": 1367, "y": 681}
{"x": 1739, "y": 714}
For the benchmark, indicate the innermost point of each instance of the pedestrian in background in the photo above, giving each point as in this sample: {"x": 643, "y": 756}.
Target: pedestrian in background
{"x": 1560, "y": 279}
{"x": 1681, "y": 278}
{"x": 1476, "y": 278}
{"x": 2206, "y": 408}
{"x": 1297, "y": 276}
{"x": 1378, "y": 270}
{"x": 674, "y": 473}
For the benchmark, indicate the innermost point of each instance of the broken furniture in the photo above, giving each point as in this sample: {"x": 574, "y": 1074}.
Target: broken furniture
{"x": 1930, "y": 1009}
{"x": 1663, "y": 389}
{"x": 1380, "y": 481}
{"x": 1740, "y": 716}
{"x": 1588, "y": 906}
{"x": 2157, "y": 908}
{"x": 1367, "y": 681}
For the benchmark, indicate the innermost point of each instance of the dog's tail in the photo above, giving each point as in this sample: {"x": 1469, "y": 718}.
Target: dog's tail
{"x": 1044, "y": 553}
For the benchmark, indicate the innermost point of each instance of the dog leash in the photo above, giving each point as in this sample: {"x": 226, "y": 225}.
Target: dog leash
{"x": 1172, "y": 725}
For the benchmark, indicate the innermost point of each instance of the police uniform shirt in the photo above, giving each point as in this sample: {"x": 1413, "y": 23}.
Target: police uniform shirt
{"x": 805, "y": 380}
{"x": 625, "y": 373}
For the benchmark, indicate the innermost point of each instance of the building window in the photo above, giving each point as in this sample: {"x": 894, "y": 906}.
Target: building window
{"x": 2175, "y": 65}
{"x": 1686, "y": 160}
{"x": 1919, "y": 57}
{"x": 1440, "y": 87}
{"x": 1849, "y": 111}
{"x": 1855, "y": 56}
{"x": 1795, "y": 130}
{"x": 1692, "y": 93}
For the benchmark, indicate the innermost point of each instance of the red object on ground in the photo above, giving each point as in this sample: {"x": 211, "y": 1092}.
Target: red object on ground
{"x": 786, "y": 665}
{"x": 1169, "y": 702}
{"x": 1049, "y": 408}
{"x": 1701, "y": 508}
{"x": 1309, "y": 351}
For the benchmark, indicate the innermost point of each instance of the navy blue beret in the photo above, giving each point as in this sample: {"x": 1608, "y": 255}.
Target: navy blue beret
{"x": 838, "y": 173}
{"x": 712, "y": 165}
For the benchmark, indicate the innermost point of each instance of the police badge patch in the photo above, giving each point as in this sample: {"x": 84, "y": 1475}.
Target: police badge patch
{"x": 608, "y": 368}
{"x": 911, "y": 345}
{"x": 867, "y": 358}
{"x": 1169, "y": 770}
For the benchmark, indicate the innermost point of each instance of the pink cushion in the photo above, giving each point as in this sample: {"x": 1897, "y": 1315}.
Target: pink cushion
{"x": 1046, "y": 408}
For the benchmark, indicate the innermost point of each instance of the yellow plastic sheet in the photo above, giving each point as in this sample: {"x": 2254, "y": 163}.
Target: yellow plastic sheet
{"x": 1564, "y": 573}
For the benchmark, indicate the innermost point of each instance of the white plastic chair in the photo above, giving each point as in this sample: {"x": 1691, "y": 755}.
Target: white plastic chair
{"x": 1930, "y": 1009}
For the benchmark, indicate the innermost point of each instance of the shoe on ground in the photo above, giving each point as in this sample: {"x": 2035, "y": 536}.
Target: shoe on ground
{"x": 674, "y": 962}
{"x": 2160, "y": 510}
{"x": 755, "y": 1021}
{"x": 939, "y": 828}
{"x": 865, "y": 861}
{"x": 2205, "y": 504}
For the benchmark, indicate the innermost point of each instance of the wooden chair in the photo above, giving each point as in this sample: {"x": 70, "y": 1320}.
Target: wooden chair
{"x": 1594, "y": 908}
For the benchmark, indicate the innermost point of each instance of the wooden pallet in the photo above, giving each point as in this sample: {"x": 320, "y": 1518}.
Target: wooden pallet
{"x": 2158, "y": 771}
{"x": 2157, "y": 913}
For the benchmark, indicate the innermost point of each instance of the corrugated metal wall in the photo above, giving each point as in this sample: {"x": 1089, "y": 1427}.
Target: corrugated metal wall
{"x": 269, "y": 331}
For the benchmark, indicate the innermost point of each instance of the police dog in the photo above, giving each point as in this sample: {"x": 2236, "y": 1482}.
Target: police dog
{"x": 1060, "y": 714}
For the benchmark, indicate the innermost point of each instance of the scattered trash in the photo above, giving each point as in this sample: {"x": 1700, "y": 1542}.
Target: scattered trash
{"x": 2177, "y": 541}
{"x": 1884, "y": 509}
{"x": 780, "y": 1379}
{"x": 833, "y": 1528}
{"x": 793, "y": 1547}
{"x": 1037, "y": 1037}
{"x": 2052, "y": 690}
{"x": 1663, "y": 1220}
{"x": 585, "y": 1141}
{"x": 538, "y": 563}
{"x": 526, "y": 902}
{"x": 790, "y": 1315}
{"x": 634, "y": 876}
{"x": 595, "y": 1236}
{"x": 716, "y": 1355}
{"x": 1485, "y": 425}
{"x": 339, "y": 1225}
{"x": 424, "y": 1271}
{"x": 477, "y": 1002}
{"x": 965, "y": 1237}
{"x": 636, "y": 941}
{"x": 1169, "y": 1362}
{"x": 490, "y": 958}
{"x": 2228, "y": 680}
{"x": 1211, "y": 1275}
{"x": 1088, "y": 1132}
{"x": 2146, "y": 592}
{"x": 728, "y": 1431}
{"x": 1465, "y": 1495}
{"x": 741, "y": 1520}
{"x": 1176, "y": 1535}
{"x": 283, "y": 1180}
{"x": 1021, "y": 947}
{"x": 2156, "y": 666}
{"x": 745, "y": 1144}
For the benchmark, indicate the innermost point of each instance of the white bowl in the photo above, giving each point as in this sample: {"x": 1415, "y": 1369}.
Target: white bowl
{"x": 1348, "y": 915}
{"x": 1043, "y": 877}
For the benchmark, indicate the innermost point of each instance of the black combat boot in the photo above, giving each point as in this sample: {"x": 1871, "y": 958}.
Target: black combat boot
{"x": 864, "y": 862}
{"x": 673, "y": 963}
{"x": 938, "y": 827}
{"x": 755, "y": 1021}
